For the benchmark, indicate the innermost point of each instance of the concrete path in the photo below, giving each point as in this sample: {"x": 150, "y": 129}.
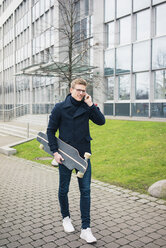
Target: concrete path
{"x": 30, "y": 217}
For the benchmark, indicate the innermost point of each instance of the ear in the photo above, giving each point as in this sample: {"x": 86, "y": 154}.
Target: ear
{"x": 71, "y": 90}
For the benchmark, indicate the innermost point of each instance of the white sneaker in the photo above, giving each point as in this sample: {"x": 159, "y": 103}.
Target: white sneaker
{"x": 87, "y": 235}
{"x": 67, "y": 225}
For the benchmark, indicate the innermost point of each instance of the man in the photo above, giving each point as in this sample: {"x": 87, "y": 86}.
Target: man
{"x": 72, "y": 117}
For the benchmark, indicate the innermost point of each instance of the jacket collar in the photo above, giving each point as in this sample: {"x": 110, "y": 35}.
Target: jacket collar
{"x": 67, "y": 104}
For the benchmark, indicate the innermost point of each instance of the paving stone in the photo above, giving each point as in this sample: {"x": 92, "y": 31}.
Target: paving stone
{"x": 13, "y": 244}
{"x": 30, "y": 215}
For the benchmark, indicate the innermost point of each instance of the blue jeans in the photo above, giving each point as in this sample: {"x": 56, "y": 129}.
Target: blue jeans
{"x": 84, "y": 187}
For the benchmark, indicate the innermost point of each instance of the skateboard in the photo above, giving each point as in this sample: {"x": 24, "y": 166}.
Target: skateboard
{"x": 72, "y": 159}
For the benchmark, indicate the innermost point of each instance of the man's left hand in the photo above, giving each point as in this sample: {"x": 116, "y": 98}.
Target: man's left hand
{"x": 88, "y": 100}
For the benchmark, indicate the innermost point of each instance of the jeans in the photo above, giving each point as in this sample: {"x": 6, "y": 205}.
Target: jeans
{"x": 84, "y": 187}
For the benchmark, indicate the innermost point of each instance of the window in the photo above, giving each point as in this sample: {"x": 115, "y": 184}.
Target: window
{"x": 110, "y": 88}
{"x": 123, "y": 7}
{"x": 143, "y": 25}
{"x": 160, "y": 84}
{"x": 124, "y": 87}
{"x": 109, "y": 10}
{"x": 84, "y": 28}
{"x": 109, "y": 62}
{"x": 158, "y": 110}
{"x": 77, "y": 31}
{"x": 141, "y": 56}
{"x": 160, "y": 20}
{"x": 108, "y": 108}
{"x": 110, "y": 35}
{"x": 140, "y": 109}
{"x": 86, "y": 2}
{"x": 159, "y": 53}
{"x": 142, "y": 85}
{"x": 123, "y": 59}
{"x": 138, "y": 4}
{"x": 122, "y": 109}
{"x": 125, "y": 30}
{"x": 157, "y": 1}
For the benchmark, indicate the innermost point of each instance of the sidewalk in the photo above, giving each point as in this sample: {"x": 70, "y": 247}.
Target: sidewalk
{"x": 30, "y": 216}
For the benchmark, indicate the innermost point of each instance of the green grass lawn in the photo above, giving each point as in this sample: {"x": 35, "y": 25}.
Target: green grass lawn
{"x": 130, "y": 154}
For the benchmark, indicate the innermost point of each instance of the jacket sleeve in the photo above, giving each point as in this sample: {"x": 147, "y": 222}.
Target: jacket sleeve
{"x": 53, "y": 125}
{"x": 96, "y": 116}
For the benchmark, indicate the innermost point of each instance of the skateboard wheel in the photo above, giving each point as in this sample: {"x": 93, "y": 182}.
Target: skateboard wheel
{"x": 41, "y": 146}
{"x": 54, "y": 162}
{"x": 87, "y": 155}
{"x": 80, "y": 174}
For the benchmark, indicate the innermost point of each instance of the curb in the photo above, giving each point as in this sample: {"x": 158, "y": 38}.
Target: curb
{"x": 8, "y": 150}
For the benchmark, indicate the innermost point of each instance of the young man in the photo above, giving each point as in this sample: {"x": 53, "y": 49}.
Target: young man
{"x": 72, "y": 117}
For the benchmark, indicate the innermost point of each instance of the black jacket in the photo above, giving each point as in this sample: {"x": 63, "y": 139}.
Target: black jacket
{"x": 73, "y": 124}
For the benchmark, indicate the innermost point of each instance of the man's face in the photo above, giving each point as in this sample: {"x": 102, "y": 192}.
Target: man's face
{"x": 78, "y": 92}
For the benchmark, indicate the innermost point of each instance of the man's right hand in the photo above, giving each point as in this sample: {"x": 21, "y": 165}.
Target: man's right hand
{"x": 58, "y": 158}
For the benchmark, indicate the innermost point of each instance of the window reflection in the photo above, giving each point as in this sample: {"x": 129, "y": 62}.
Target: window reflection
{"x": 110, "y": 88}
{"x": 142, "y": 85}
{"x": 125, "y": 30}
{"x": 157, "y": 1}
{"x": 159, "y": 53}
{"x": 158, "y": 110}
{"x": 122, "y": 109}
{"x": 160, "y": 19}
{"x": 141, "y": 56}
{"x": 109, "y": 10}
{"x": 143, "y": 25}
{"x": 160, "y": 84}
{"x": 124, "y": 87}
{"x": 138, "y": 4}
{"x": 140, "y": 109}
{"x": 123, "y": 7}
{"x": 109, "y": 62}
{"x": 123, "y": 59}
{"x": 110, "y": 35}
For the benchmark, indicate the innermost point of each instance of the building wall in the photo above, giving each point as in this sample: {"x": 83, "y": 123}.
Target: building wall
{"x": 135, "y": 53}
{"x": 27, "y": 36}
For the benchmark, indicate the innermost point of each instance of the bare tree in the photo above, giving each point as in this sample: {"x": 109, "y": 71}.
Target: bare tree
{"x": 74, "y": 47}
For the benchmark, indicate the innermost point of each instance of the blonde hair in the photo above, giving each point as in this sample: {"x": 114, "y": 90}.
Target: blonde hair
{"x": 78, "y": 81}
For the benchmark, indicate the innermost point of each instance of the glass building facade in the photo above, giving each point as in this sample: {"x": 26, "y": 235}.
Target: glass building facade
{"x": 127, "y": 45}
{"x": 135, "y": 58}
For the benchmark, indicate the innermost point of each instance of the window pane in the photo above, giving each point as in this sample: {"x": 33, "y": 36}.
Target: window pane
{"x": 84, "y": 28}
{"x": 110, "y": 88}
{"x": 138, "y": 4}
{"x": 122, "y": 109}
{"x": 124, "y": 87}
{"x": 77, "y": 31}
{"x": 141, "y": 56}
{"x": 125, "y": 28}
{"x": 158, "y": 1}
{"x": 123, "y": 60}
{"x": 142, "y": 85}
{"x": 160, "y": 84}
{"x": 158, "y": 110}
{"x": 160, "y": 19}
{"x": 143, "y": 25}
{"x": 109, "y": 62}
{"x": 108, "y": 108}
{"x": 159, "y": 53}
{"x": 109, "y": 10}
{"x": 123, "y": 7}
{"x": 140, "y": 109}
{"x": 110, "y": 35}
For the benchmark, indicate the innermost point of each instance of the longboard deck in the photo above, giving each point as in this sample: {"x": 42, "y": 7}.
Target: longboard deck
{"x": 72, "y": 159}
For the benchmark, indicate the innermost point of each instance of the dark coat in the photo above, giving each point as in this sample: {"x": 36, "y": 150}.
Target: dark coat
{"x": 73, "y": 124}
